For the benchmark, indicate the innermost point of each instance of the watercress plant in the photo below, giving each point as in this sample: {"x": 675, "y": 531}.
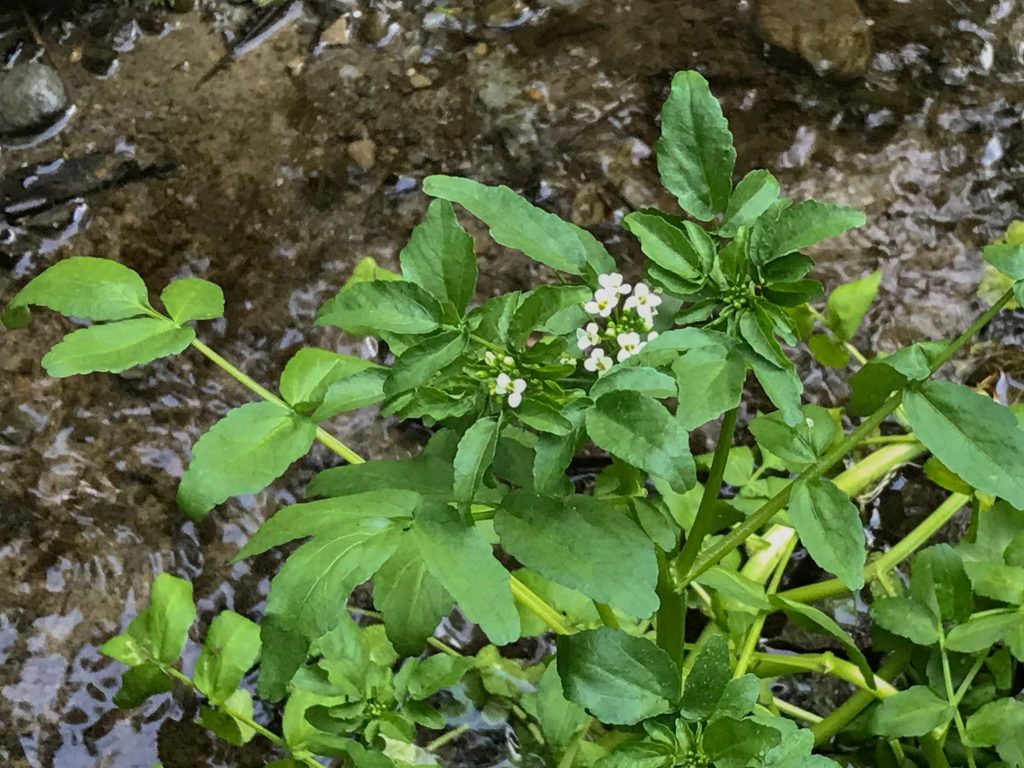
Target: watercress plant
{"x": 657, "y": 573}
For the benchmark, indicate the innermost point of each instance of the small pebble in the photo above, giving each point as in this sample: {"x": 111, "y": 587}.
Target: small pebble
{"x": 336, "y": 33}
{"x": 364, "y": 153}
{"x": 419, "y": 80}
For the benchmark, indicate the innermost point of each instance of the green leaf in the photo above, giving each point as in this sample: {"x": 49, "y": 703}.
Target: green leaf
{"x": 166, "y": 620}
{"x": 426, "y": 475}
{"x": 635, "y": 378}
{"x": 115, "y": 347}
{"x": 230, "y": 650}
{"x": 913, "y": 712}
{"x": 733, "y": 743}
{"x": 974, "y": 436}
{"x": 618, "y": 678}
{"x": 352, "y": 393}
{"x": 873, "y": 383}
{"x": 985, "y": 630}
{"x": 695, "y": 151}
{"x": 1000, "y": 724}
{"x": 534, "y": 529}
{"x": 225, "y": 726}
{"x": 540, "y": 305}
{"x": 81, "y": 286}
{"x": 439, "y": 257}
{"x": 755, "y": 194}
{"x": 798, "y": 227}
{"x": 906, "y": 617}
{"x": 938, "y": 580}
{"x": 242, "y": 453}
{"x": 374, "y": 510}
{"x": 706, "y": 683}
{"x": 560, "y": 720}
{"x": 848, "y": 304}
{"x": 284, "y": 652}
{"x": 643, "y": 433}
{"x": 798, "y": 446}
{"x": 411, "y": 601}
{"x": 474, "y": 457}
{"x": 543, "y": 418}
{"x": 516, "y": 223}
{"x": 740, "y": 590}
{"x": 827, "y": 351}
{"x": 710, "y": 381}
{"x": 657, "y": 522}
{"x": 394, "y": 306}
{"x": 311, "y": 372}
{"x": 1006, "y": 257}
{"x": 815, "y": 620}
{"x": 460, "y": 558}
{"x": 667, "y": 245}
{"x": 139, "y": 683}
{"x": 739, "y": 697}
{"x": 430, "y": 675}
{"x": 193, "y": 299}
{"x": 310, "y": 590}
{"x": 830, "y": 528}
{"x": 420, "y": 362}
{"x": 757, "y": 330}
{"x": 574, "y": 606}
{"x": 782, "y": 386}
{"x": 638, "y": 754}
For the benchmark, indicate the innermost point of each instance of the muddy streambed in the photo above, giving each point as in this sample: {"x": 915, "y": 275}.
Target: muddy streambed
{"x": 273, "y": 172}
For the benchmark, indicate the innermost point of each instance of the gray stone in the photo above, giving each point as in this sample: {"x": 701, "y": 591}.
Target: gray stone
{"x": 31, "y": 96}
{"x": 833, "y": 36}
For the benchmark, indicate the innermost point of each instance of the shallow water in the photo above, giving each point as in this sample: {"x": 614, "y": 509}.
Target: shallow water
{"x": 262, "y": 191}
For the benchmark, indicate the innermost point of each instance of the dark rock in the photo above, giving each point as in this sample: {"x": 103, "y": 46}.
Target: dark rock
{"x": 31, "y": 96}
{"x": 833, "y": 36}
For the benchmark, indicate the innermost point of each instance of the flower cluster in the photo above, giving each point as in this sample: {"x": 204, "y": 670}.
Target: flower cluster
{"x": 627, "y": 330}
{"x": 506, "y": 383}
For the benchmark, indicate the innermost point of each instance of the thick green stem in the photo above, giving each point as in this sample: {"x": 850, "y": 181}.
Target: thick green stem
{"x": 669, "y": 627}
{"x": 775, "y": 664}
{"x": 900, "y": 552}
{"x": 607, "y": 615}
{"x": 773, "y": 506}
{"x": 704, "y": 521}
{"x": 856, "y": 704}
{"x": 754, "y": 633}
{"x": 536, "y": 605}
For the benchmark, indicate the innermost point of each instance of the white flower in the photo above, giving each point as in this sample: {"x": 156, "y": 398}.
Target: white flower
{"x": 613, "y": 282}
{"x": 629, "y": 345}
{"x": 588, "y": 337}
{"x": 513, "y": 388}
{"x": 644, "y": 301}
{"x": 605, "y": 300}
{"x": 652, "y": 335}
{"x": 489, "y": 357}
{"x": 598, "y": 361}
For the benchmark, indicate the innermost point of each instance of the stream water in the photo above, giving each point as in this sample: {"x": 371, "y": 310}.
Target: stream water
{"x": 273, "y": 172}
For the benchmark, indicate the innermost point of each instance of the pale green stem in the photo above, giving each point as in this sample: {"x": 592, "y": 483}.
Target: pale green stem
{"x": 773, "y": 506}
{"x": 754, "y": 634}
{"x": 322, "y": 435}
{"x": 794, "y": 711}
{"x": 841, "y": 717}
{"x": 542, "y": 610}
{"x": 775, "y": 664}
{"x": 446, "y": 738}
{"x": 951, "y": 698}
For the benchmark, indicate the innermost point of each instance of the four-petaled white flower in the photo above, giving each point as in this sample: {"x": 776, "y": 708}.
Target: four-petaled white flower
{"x": 598, "y": 362}
{"x": 629, "y": 345}
{"x": 644, "y": 301}
{"x": 613, "y": 282}
{"x": 588, "y": 337}
{"x": 513, "y": 388}
{"x": 605, "y": 300}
